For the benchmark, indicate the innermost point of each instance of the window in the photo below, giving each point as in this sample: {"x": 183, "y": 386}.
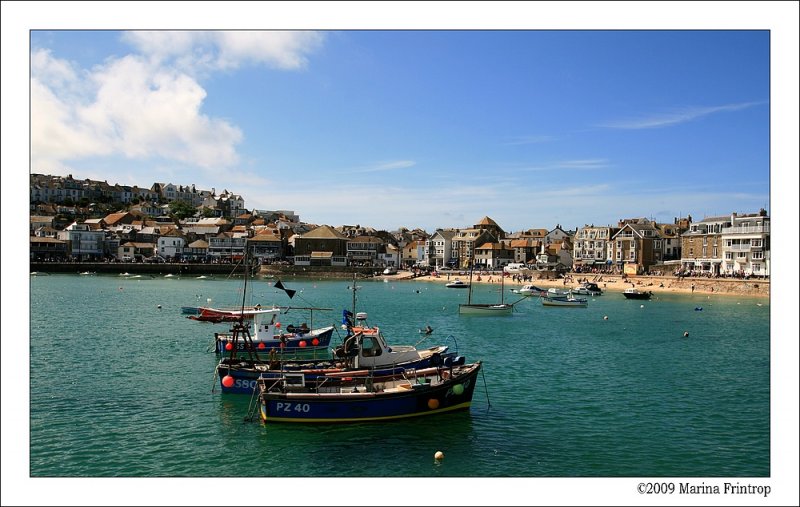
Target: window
{"x": 741, "y": 255}
{"x": 758, "y": 255}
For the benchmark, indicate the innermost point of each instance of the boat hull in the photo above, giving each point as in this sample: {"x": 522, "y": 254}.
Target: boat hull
{"x": 637, "y": 295}
{"x": 245, "y": 374}
{"x": 418, "y": 399}
{"x": 487, "y": 309}
{"x": 575, "y": 303}
{"x": 294, "y": 346}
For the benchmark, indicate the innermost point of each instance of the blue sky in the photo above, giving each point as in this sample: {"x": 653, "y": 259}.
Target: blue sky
{"x": 410, "y": 128}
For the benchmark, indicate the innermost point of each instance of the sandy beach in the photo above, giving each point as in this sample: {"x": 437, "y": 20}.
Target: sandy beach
{"x": 615, "y": 283}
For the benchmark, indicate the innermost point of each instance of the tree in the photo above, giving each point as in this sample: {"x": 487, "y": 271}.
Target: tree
{"x": 181, "y": 209}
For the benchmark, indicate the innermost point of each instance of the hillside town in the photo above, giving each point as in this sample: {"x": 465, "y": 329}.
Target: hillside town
{"x": 73, "y": 220}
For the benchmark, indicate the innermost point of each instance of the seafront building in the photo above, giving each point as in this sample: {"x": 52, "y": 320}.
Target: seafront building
{"x": 67, "y": 224}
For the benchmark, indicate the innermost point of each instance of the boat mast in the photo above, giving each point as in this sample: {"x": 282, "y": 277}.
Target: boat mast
{"x": 502, "y": 285}
{"x": 469, "y": 293}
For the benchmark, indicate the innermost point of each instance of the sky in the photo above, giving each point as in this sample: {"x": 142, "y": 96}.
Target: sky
{"x": 411, "y": 114}
{"x": 416, "y": 128}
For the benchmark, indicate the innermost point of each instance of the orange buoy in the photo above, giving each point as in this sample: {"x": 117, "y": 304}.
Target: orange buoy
{"x": 433, "y": 403}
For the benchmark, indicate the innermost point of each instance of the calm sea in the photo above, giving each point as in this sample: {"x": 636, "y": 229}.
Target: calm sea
{"x": 121, "y": 385}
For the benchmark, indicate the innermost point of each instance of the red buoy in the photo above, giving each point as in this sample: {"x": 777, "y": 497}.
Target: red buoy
{"x": 227, "y": 381}
{"x": 315, "y": 342}
{"x": 261, "y": 345}
{"x": 229, "y": 346}
{"x": 302, "y": 343}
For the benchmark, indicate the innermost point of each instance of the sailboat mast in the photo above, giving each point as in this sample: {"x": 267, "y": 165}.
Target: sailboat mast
{"x": 469, "y": 289}
{"x": 502, "y": 286}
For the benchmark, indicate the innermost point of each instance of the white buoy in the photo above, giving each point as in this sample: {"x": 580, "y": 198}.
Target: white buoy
{"x": 685, "y": 334}
{"x": 159, "y": 307}
{"x": 439, "y": 456}
{"x": 605, "y": 317}
{"x": 641, "y": 306}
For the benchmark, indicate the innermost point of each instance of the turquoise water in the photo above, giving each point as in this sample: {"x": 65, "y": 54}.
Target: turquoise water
{"x": 122, "y": 388}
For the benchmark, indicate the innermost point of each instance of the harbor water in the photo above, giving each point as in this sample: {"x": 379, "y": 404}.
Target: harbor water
{"x": 122, "y": 385}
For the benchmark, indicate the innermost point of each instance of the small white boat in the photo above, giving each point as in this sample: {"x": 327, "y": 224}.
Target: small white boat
{"x": 565, "y": 301}
{"x": 457, "y": 284}
{"x": 530, "y": 290}
{"x": 557, "y": 293}
{"x": 588, "y": 289}
{"x": 88, "y": 273}
{"x": 391, "y": 270}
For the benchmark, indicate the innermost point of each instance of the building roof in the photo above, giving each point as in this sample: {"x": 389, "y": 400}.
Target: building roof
{"x": 324, "y": 232}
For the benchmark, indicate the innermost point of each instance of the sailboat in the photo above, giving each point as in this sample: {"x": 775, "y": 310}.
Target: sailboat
{"x": 471, "y": 308}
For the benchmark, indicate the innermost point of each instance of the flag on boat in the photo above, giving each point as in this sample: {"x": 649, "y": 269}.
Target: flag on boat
{"x": 347, "y": 318}
{"x": 289, "y": 292}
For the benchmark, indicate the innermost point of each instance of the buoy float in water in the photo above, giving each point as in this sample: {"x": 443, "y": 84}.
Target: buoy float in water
{"x": 605, "y": 317}
{"x": 439, "y": 456}
{"x": 685, "y": 334}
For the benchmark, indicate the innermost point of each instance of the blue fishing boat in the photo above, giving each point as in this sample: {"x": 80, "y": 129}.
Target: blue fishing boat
{"x": 294, "y": 398}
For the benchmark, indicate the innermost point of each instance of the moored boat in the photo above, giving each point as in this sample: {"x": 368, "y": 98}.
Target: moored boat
{"x": 530, "y": 290}
{"x": 633, "y": 293}
{"x": 568, "y": 300}
{"x": 293, "y": 398}
{"x": 265, "y": 334}
{"x": 501, "y": 308}
{"x": 588, "y": 289}
{"x": 457, "y": 284}
{"x": 556, "y": 292}
{"x": 363, "y": 351}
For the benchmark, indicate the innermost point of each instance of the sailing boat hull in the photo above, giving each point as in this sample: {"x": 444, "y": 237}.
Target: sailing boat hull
{"x": 485, "y": 309}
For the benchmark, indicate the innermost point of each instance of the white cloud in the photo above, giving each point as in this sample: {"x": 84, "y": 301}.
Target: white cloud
{"x": 222, "y": 50}
{"x": 570, "y": 165}
{"x": 149, "y": 105}
{"x": 682, "y": 115}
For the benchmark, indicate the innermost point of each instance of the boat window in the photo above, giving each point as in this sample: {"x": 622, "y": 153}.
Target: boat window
{"x": 370, "y": 347}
